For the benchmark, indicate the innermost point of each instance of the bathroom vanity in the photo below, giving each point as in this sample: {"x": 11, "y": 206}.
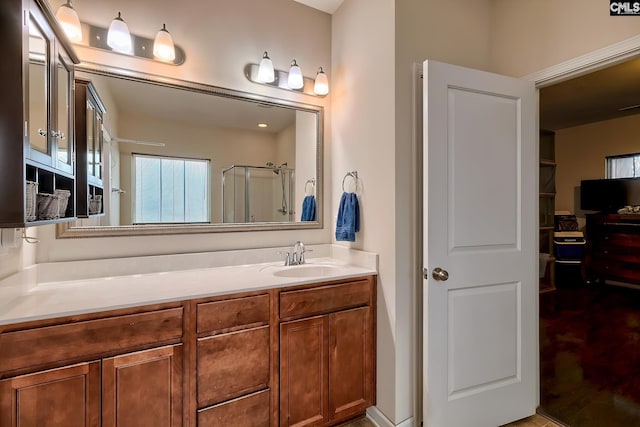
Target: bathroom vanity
{"x": 279, "y": 350}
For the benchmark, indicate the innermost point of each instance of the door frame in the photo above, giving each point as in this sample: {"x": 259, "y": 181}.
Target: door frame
{"x": 583, "y": 64}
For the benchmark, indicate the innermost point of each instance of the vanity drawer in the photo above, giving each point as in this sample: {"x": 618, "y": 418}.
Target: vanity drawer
{"x": 325, "y": 299}
{"x": 33, "y": 347}
{"x": 220, "y": 315}
{"x": 246, "y": 411}
{"x": 230, "y": 365}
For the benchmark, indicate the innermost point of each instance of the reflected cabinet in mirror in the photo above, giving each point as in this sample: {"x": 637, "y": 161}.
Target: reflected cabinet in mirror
{"x": 173, "y": 157}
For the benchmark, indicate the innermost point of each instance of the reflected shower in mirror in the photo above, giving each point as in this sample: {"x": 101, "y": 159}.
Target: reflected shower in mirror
{"x": 177, "y": 155}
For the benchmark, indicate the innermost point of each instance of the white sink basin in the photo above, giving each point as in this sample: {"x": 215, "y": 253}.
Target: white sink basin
{"x": 307, "y": 271}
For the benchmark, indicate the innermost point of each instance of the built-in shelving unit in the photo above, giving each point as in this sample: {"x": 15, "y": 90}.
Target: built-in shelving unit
{"x": 547, "y": 197}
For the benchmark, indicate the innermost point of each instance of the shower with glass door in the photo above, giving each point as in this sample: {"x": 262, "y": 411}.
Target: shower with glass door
{"x": 258, "y": 193}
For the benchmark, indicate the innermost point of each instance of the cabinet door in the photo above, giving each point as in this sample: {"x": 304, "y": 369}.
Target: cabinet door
{"x": 303, "y": 372}
{"x": 62, "y": 129}
{"x": 38, "y": 93}
{"x": 143, "y": 388}
{"x": 350, "y": 362}
{"x": 63, "y": 397}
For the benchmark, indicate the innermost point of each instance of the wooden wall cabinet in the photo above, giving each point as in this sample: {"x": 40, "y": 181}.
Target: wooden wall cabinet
{"x": 36, "y": 133}
{"x": 89, "y": 145}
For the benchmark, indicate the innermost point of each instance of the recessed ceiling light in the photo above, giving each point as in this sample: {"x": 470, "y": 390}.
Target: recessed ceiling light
{"x": 262, "y": 125}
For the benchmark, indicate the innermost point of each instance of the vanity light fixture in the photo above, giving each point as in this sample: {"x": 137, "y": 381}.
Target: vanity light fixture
{"x": 119, "y": 37}
{"x": 321, "y": 85}
{"x": 295, "y": 80}
{"x": 163, "y": 45}
{"x": 70, "y": 21}
{"x": 266, "y": 73}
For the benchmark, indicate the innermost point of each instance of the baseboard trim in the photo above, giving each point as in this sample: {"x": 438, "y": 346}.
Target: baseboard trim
{"x": 380, "y": 420}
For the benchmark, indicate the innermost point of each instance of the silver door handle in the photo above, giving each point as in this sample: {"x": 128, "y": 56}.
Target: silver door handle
{"x": 440, "y": 274}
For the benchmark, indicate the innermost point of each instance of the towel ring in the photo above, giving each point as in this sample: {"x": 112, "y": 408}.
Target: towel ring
{"x": 311, "y": 181}
{"x": 352, "y": 174}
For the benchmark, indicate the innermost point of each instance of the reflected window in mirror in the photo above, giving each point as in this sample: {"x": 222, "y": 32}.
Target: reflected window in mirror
{"x": 171, "y": 190}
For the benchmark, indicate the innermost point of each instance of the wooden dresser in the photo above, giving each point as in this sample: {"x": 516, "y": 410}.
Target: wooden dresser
{"x": 613, "y": 248}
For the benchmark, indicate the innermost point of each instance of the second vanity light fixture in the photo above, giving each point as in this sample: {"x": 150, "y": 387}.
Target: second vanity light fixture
{"x": 265, "y": 73}
{"x": 118, "y": 38}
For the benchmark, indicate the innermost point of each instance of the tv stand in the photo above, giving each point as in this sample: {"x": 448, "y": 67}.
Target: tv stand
{"x": 613, "y": 248}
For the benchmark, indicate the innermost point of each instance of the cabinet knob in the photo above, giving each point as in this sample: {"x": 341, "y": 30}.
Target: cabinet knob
{"x": 42, "y": 132}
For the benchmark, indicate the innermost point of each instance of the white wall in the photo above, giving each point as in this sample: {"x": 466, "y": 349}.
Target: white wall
{"x": 581, "y": 152}
{"x": 531, "y": 35}
{"x": 220, "y": 38}
{"x": 363, "y": 137}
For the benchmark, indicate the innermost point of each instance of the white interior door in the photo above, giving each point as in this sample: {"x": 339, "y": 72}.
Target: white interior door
{"x": 480, "y": 204}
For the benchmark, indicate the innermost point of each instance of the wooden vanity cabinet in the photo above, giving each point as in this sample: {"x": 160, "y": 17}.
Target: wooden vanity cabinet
{"x": 327, "y": 353}
{"x": 115, "y": 370}
{"x": 72, "y": 391}
{"x": 143, "y": 388}
{"x": 234, "y": 370}
{"x": 301, "y": 355}
{"x": 37, "y": 134}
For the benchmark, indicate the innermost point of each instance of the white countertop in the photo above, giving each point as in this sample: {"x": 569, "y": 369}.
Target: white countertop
{"x": 47, "y": 291}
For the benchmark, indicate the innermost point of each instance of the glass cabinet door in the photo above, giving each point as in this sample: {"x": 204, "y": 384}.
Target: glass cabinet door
{"x": 90, "y": 139}
{"x": 38, "y": 90}
{"x": 98, "y": 146}
{"x": 62, "y": 127}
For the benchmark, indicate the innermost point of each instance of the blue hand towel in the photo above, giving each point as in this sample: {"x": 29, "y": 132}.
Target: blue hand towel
{"x": 348, "y": 223}
{"x": 309, "y": 208}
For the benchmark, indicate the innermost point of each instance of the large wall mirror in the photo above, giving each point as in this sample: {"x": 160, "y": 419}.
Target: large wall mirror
{"x": 180, "y": 157}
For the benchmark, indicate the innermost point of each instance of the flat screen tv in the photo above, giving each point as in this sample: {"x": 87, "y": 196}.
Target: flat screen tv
{"x": 609, "y": 195}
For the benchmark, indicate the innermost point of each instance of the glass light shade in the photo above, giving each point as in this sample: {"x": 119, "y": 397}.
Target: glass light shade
{"x": 118, "y": 37}
{"x": 295, "y": 81}
{"x": 163, "y": 47}
{"x": 70, "y": 22}
{"x": 266, "y": 73}
{"x": 321, "y": 86}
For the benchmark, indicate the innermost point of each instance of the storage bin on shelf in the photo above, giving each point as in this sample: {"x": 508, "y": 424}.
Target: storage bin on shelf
{"x": 31, "y": 201}
{"x": 52, "y": 206}
{"x": 95, "y": 204}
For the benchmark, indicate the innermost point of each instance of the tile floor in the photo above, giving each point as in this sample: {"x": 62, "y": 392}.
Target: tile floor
{"x": 534, "y": 421}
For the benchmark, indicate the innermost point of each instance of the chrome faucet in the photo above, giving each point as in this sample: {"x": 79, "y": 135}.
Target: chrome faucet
{"x": 298, "y": 253}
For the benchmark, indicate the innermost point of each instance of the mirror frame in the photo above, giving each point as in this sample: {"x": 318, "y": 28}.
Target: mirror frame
{"x": 67, "y": 230}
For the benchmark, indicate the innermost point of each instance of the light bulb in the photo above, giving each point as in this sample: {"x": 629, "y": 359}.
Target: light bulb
{"x": 119, "y": 38}
{"x": 266, "y": 73}
{"x": 295, "y": 81}
{"x": 70, "y": 22}
{"x": 321, "y": 86}
{"x": 163, "y": 47}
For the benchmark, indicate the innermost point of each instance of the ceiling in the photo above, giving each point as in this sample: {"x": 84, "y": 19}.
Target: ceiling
{"x": 172, "y": 104}
{"x": 329, "y": 6}
{"x": 602, "y": 95}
